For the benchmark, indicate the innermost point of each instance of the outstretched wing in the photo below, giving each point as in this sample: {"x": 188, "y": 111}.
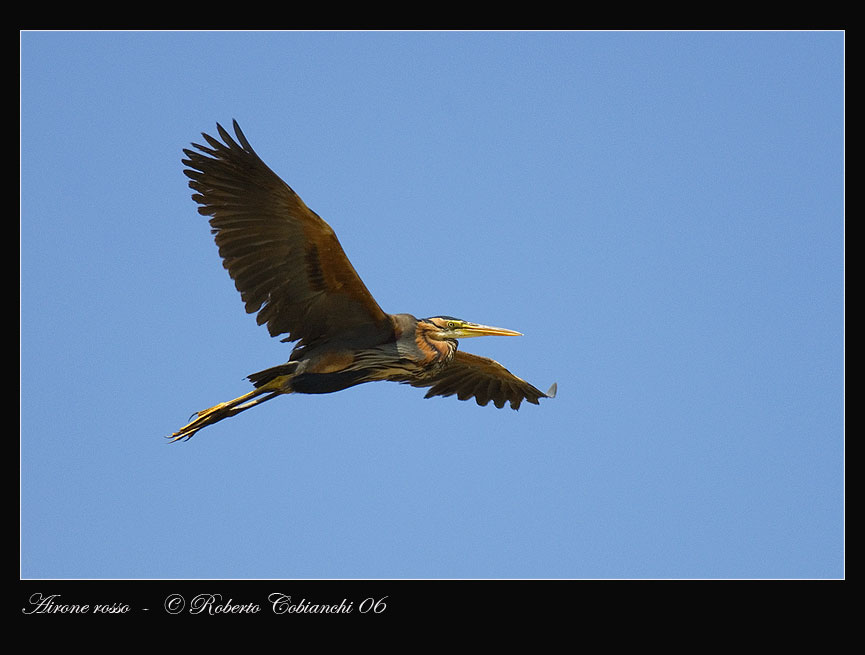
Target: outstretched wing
{"x": 471, "y": 375}
{"x": 285, "y": 261}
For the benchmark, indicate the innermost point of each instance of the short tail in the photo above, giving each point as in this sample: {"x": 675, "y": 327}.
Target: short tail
{"x": 269, "y": 374}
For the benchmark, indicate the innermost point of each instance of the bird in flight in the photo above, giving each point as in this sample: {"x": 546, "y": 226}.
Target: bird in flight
{"x": 291, "y": 271}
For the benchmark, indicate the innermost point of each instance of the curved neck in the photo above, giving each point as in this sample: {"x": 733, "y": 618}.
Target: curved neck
{"x": 431, "y": 347}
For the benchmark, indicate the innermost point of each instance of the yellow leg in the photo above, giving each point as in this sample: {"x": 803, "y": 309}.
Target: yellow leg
{"x": 218, "y": 412}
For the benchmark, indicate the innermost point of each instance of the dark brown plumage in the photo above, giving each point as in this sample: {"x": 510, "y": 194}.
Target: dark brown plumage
{"x": 285, "y": 261}
{"x": 484, "y": 379}
{"x": 290, "y": 269}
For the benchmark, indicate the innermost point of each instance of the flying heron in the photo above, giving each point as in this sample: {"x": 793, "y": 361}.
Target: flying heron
{"x": 289, "y": 267}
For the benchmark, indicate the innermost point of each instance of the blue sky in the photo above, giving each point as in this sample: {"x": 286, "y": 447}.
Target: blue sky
{"x": 661, "y": 214}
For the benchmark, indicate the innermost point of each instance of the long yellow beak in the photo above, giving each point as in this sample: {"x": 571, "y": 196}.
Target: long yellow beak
{"x": 474, "y": 330}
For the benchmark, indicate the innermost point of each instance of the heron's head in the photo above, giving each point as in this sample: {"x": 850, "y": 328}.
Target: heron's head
{"x": 448, "y": 327}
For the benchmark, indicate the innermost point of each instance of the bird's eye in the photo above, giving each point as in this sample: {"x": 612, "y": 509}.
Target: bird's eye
{"x": 451, "y": 324}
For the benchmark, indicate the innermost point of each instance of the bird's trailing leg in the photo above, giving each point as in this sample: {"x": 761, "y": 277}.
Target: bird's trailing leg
{"x": 223, "y": 410}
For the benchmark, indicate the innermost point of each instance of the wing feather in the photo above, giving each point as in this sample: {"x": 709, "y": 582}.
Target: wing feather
{"x": 484, "y": 379}
{"x": 285, "y": 261}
